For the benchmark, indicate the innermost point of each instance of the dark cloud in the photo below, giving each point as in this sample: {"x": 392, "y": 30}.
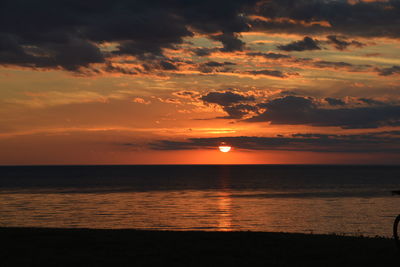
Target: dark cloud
{"x": 306, "y": 44}
{"x": 335, "y": 101}
{"x": 288, "y": 92}
{"x": 371, "y": 101}
{"x": 289, "y": 104}
{"x": 66, "y": 34}
{"x": 218, "y": 64}
{"x": 341, "y": 43}
{"x": 322, "y": 64}
{"x": 230, "y": 42}
{"x": 167, "y": 65}
{"x": 118, "y": 69}
{"x": 238, "y": 111}
{"x": 225, "y": 98}
{"x": 204, "y": 51}
{"x": 273, "y": 73}
{"x": 389, "y": 71}
{"x": 299, "y": 110}
{"x": 368, "y": 142}
{"x": 70, "y": 54}
{"x": 234, "y": 104}
{"x": 294, "y": 110}
{"x": 366, "y": 19}
{"x": 226, "y": 67}
{"x": 214, "y": 66}
{"x": 331, "y": 64}
{"x": 340, "y": 65}
{"x": 269, "y": 55}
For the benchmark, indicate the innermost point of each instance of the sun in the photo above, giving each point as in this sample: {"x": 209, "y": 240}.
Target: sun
{"x": 224, "y": 148}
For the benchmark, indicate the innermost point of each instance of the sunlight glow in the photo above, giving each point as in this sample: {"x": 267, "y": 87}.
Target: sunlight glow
{"x": 224, "y": 148}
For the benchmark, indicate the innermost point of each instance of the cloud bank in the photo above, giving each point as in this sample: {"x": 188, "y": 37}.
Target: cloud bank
{"x": 74, "y": 34}
{"x": 382, "y": 142}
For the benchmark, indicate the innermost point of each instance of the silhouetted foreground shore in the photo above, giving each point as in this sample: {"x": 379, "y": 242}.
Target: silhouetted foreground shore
{"x": 87, "y": 247}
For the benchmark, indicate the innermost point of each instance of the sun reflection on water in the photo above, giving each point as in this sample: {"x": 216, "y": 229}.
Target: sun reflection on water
{"x": 225, "y": 214}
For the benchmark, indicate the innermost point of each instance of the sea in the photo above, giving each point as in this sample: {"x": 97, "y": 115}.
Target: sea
{"x": 319, "y": 199}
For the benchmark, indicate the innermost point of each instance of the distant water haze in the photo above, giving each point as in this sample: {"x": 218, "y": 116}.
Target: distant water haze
{"x": 351, "y": 200}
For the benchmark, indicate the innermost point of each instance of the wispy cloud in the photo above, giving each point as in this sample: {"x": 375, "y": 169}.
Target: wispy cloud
{"x": 369, "y": 142}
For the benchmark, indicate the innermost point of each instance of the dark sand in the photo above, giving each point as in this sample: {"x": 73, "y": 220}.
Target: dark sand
{"x": 84, "y": 247}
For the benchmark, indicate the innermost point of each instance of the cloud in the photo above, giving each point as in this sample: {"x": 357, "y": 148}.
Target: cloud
{"x": 313, "y": 63}
{"x": 68, "y": 34}
{"x": 331, "y": 64}
{"x": 356, "y": 143}
{"x": 140, "y": 100}
{"x": 389, "y": 71}
{"x": 269, "y": 55}
{"x": 72, "y": 35}
{"x": 225, "y": 98}
{"x": 301, "y": 63}
{"x": 341, "y": 43}
{"x": 295, "y": 110}
{"x": 322, "y": 64}
{"x": 309, "y": 62}
{"x": 203, "y": 51}
{"x": 213, "y": 66}
{"x": 371, "y": 101}
{"x": 186, "y": 94}
{"x": 272, "y": 73}
{"x": 168, "y": 65}
{"x": 335, "y": 101}
{"x": 218, "y": 64}
{"x": 230, "y": 42}
{"x": 238, "y": 111}
{"x": 306, "y": 44}
{"x": 360, "y": 113}
{"x": 233, "y": 103}
{"x": 69, "y": 54}
{"x": 364, "y": 19}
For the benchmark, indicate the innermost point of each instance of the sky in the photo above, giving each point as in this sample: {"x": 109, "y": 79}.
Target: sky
{"x": 167, "y": 81}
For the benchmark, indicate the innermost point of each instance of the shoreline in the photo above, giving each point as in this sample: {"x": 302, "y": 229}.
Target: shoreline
{"x": 129, "y": 247}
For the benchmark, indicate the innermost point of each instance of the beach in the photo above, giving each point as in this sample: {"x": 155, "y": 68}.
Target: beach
{"x": 95, "y": 247}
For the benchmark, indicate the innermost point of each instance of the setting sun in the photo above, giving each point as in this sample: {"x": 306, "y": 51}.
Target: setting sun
{"x": 224, "y": 148}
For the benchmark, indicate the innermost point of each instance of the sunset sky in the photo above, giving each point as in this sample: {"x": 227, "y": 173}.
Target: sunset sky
{"x": 167, "y": 81}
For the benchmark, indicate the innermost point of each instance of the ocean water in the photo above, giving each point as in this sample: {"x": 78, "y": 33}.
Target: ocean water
{"x": 351, "y": 200}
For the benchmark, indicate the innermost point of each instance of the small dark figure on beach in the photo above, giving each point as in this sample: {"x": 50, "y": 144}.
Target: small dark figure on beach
{"x": 396, "y": 224}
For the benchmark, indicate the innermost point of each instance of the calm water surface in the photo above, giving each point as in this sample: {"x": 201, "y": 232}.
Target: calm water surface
{"x": 310, "y": 199}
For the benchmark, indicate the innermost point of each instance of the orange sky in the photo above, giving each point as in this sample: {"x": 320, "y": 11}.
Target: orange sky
{"x": 279, "y": 89}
